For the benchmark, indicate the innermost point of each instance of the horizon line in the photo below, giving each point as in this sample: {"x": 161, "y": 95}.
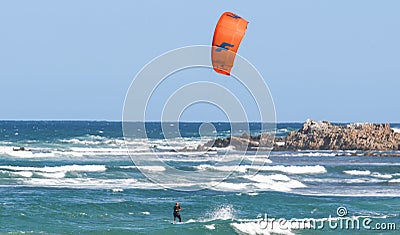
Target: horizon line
{"x": 183, "y": 121}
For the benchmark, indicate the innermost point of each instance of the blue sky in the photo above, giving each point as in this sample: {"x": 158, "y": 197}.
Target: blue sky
{"x": 326, "y": 60}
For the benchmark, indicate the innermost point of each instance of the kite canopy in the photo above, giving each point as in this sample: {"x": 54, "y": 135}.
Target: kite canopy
{"x": 228, "y": 34}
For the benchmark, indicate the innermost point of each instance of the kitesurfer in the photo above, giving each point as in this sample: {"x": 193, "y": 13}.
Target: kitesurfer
{"x": 177, "y": 208}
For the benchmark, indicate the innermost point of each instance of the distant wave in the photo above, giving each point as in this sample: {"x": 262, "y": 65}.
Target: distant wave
{"x": 90, "y": 140}
{"x": 357, "y": 172}
{"x": 394, "y": 181}
{"x": 87, "y": 183}
{"x": 54, "y": 172}
{"x": 315, "y": 153}
{"x": 317, "y": 169}
{"x": 259, "y": 183}
{"x": 275, "y": 182}
{"x": 145, "y": 168}
{"x": 368, "y": 173}
{"x": 54, "y": 169}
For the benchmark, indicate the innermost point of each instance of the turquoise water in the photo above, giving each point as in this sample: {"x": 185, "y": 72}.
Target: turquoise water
{"x": 76, "y": 177}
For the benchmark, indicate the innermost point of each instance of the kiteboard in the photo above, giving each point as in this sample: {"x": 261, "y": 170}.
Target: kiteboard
{"x": 177, "y": 222}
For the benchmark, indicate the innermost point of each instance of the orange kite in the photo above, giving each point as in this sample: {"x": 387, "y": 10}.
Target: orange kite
{"x": 228, "y": 34}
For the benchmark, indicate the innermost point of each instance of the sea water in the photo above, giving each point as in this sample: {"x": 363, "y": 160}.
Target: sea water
{"x": 69, "y": 177}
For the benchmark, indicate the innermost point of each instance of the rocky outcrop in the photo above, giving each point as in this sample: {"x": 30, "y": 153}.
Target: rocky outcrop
{"x": 357, "y": 136}
{"x": 317, "y": 136}
{"x": 243, "y": 142}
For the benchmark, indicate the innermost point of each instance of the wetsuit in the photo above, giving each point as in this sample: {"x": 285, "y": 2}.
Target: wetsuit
{"x": 176, "y": 213}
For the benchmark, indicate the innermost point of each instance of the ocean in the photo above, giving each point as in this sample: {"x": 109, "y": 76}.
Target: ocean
{"x": 76, "y": 177}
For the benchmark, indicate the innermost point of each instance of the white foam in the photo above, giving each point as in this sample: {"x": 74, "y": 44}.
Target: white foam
{"x": 363, "y": 180}
{"x": 56, "y": 175}
{"x": 259, "y": 183}
{"x": 145, "y": 168}
{"x": 394, "y": 181}
{"x": 280, "y": 186}
{"x": 73, "y": 151}
{"x": 117, "y": 190}
{"x": 379, "y": 175}
{"x": 302, "y": 153}
{"x": 83, "y": 151}
{"x": 151, "y": 168}
{"x": 87, "y": 183}
{"x": 31, "y": 153}
{"x": 223, "y": 212}
{"x": 226, "y": 186}
{"x": 189, "y": 221}
{"x": 145, "y": 213}
{"x": 210, "y": 226}
{"x": 204, "y": 158}
{"x": 267, "y": 178}
{"x": 176, "y": 143}
{"x": 357, "y": 172}
{"x": 235, "y": 168}
{"x": 74, "y": 141}
{"x": 94, "y": 140}
{"x": 96, "y": 183}
{"x": 54, "y": 169}
{"x": 365, "y": 192}
{"x": 283, "y": 130}
{"x": 325, "y": 180}
{"x": 127, "y": 167}
{"x": 260, "y": 160}
{"x": 5, "y": 142}
{"x": 55, "y": 172}
{"x": 317, "y": 169}
{"x": 23, "y": 173}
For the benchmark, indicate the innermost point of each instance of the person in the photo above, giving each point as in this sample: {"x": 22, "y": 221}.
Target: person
{"x": 177, "y": 208}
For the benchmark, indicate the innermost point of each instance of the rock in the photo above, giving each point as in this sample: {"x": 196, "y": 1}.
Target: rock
{"x": 356, "y": 136}
{"x": 243, "y": 142}
{"x": 20, "y": 149}
{"x": 315, "y": 135}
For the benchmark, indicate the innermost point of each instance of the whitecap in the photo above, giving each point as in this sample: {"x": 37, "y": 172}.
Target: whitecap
{"x": 357, "y": 172}
{"x": 56, "y": 175}
{"x": 379, "y": 175}
{"x": 394, "y": 181}
{"x": 223, "y": 212}
{"x": 23, "y": 173}
{"x": 317, "y": 169}
{"x": 117, "y": 190}
{"x": 151, "y": 168}
{"x": 210, "y": 226}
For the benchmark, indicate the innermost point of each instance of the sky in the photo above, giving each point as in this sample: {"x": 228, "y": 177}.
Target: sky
{"x": 75, "y": 60}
